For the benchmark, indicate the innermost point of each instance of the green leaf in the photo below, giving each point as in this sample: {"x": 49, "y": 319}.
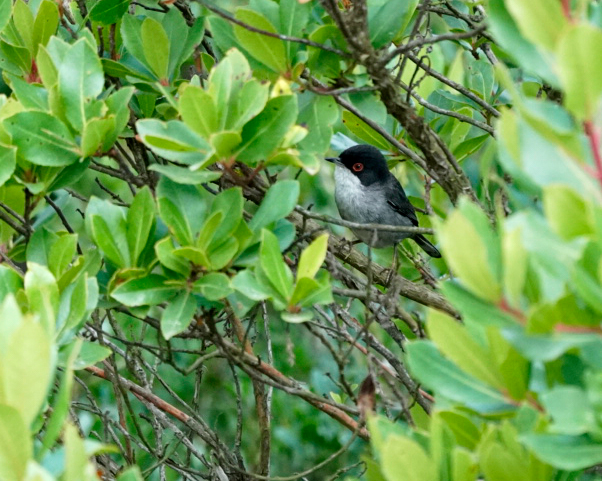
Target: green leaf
{"x": 173, "y": 140}
{"x": 195, "y": 255}
{"x": 308, "y": 292}
{"x": 111, "y": 238}
{"x": 8, "y": 162}
{"x": 312, "y": 257}
{"x": 61, "y": 254}
{"x": 264, "y": 133}
{"x": 439, "y": 374}
{"x": 570, "y": 410}
{"x": 42, "y": 294}
{"x": 27, "y": 369}
{"x": 570, "y": 453}
{"x": 273, "y": 265}
{"x": 10, "y": 282}
{"x": 388, "y": 18}
{"x": 246, "y": 103}
{"x": 268, "y": 50}
{"x": 198, "y": 111}
{"x": 182, "y": 208}
{"x": 94, "y": 136}
{"x": 472, "y": 250}
{"x": 454, "y": 341}
{"x": 23, "y": 21}
{"x": 81, "y": 80}
{"x": 5, "y": 12}
{"x": 155, "y": 44}
{"x": 319, "y": 116}
{"x": 140, "y": 221}
{"x": 363, "y": 131}
{"x": 91, "y": 353}
{"x": 214, "y": 286}
{"x": 294, "y": 16}
{"x": 540, "y": 21}
{"x": 146, "y": 291}
{"x": 165, "y": 252}
{"x": 246, "y": 283}
{"x": 16, "y": 447}
{"x": 108, "y": 12}
{"x": 208, "y": 230}
{"x": 278, "y": 202}
{"x": 579, "y": 67}
{"x": 45, "y": 24}
{"x": 177, "y": 315}
{"x": 566, "y": 211}
{"x": 183, "y": 175}
{"x": 42, "y": 139}
{"x": 404, "y": 459}
{"x": 130, "y": 474}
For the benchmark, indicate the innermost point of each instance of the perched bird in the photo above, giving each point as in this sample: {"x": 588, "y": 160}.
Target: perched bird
{"x": 367, "y": 193}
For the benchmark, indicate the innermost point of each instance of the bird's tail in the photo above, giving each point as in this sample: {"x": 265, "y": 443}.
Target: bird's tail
{"x": 426, "y": 246}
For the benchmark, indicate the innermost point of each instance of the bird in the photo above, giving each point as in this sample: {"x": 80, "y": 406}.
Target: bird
{"x": 367, "y": 193}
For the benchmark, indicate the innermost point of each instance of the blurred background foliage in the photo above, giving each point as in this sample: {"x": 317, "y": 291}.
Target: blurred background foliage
{"x": 177, "y": 301}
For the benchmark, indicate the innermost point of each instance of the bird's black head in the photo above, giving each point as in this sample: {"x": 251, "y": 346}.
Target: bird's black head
{"x": 365, "y": 162}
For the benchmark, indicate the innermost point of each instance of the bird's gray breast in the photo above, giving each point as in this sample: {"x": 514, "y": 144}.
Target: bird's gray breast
{"x": 367, "y": 205}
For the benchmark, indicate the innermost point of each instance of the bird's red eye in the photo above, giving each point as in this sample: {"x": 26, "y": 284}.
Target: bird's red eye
{"x": 358, "y": 167}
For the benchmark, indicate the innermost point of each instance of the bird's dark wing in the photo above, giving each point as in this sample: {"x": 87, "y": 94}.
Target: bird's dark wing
{"x": 399, "y": 202}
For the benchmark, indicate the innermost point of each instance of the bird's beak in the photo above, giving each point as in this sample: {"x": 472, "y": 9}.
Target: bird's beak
{"x": 334, "y": 160}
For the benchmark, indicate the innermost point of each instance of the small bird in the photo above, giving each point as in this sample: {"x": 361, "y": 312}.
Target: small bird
{"x": 367, "y": 193}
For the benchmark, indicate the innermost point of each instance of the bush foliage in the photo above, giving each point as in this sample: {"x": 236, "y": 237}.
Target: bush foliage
{"x": 177, "y": 300}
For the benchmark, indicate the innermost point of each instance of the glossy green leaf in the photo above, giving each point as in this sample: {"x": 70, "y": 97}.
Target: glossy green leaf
{"x": 198, "y": 111}
{"x": 27, "y": 369}
{"x": 8, "y": 162}
{"x": 10, "y": 282}
{"x": 94, "y": 135}
{"x": 274, "y": 267}
{"x": 183, "y": 175}
{"x": 61, "y": 254}
{"x": 437, "y": 373}
{"x": 455, "y": 342}
{"x": 246, "y": 283}
{"x": 539, "y": 21}
{"x": 364, "y": 132}
{"x": 246, "y": 103}
{"x": 155, "y": 44}
{"x": 264, "y": 133}
{"x": 108, "y": 12}
{"x": 468, "y": 245}
{"x": 150, "y": 290}
{"x": 42, "y": 139}
{"x": 268, "y": 50}
{"x": 5, "y": 12}
{"x": 16, "y": 447}
{"x": 312, "y": 257}
{"x": 140, "y": 221}
{"x": 387, "y": 18}
{"x": 81, "y": 79}
{"x": 214, "y": 286}
{"x": 24, "y": 23}
{"x": 91, "y": 353}
{"x": 45, "y": 24}
{"x": 42, "y": 294}
{"x": 165, "y": 252}
{"x": 177, "y": 315}
{"x": 570, "y": 453}
{"x": 570, "y": 410}
{"x": 111, "y": 238}
{"x": 580, "y": 67}
{"x": 173, "y": 140}
{"x": 278, "y": 202}
{"x": 566, "y": 211}
{"x": 402, "y": 458}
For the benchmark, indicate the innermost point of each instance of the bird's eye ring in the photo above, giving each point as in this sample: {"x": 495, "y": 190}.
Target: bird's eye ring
{"x": 358, "y": 167}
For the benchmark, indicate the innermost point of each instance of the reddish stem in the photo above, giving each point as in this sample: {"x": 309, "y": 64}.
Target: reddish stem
{"x": 594, "y": 141}
{"x": 566, "y": 9}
